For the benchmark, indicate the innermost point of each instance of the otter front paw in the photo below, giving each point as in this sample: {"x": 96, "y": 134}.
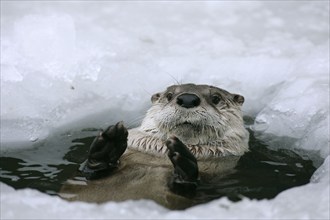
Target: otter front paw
{"x": 105, "y": 151}
{"x": 185, "y": 176}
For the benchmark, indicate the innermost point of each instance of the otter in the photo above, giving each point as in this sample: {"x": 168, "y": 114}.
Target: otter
{"x": 191, "y": 135}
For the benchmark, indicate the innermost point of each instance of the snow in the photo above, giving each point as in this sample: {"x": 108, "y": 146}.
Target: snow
{"x": 72, "y": 65}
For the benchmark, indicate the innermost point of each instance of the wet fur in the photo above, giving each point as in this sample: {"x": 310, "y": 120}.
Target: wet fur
{"x": 213, "y": 133}
{"x": 208, "y": 130}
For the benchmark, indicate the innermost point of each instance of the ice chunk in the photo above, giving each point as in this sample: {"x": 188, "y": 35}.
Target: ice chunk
{"x": 322, "y": 174}
{"x": 47, "y": 44}
{"x": 300, "y": 107}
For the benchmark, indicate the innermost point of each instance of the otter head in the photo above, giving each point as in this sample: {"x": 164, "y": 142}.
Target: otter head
{"x": 196, "y": 114}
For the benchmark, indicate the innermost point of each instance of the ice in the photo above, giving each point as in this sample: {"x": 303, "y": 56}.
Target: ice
{"x": 72, "y": 65}
{"x": 300, "y": 108}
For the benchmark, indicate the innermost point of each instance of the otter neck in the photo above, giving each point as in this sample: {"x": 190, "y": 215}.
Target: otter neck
{"x": 155, "y": 145}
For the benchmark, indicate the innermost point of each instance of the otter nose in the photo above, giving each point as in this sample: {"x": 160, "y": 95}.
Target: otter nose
{"x": 188, "y": 100}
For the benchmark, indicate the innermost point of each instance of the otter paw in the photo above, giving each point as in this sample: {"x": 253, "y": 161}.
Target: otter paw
{"x": 106, "y": 150}
{"x": 185, "y": 176}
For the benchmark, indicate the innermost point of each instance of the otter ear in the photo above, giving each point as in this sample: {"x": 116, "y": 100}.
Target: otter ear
{"x": 238, "y": 99}
{"x": 155, "y": 97}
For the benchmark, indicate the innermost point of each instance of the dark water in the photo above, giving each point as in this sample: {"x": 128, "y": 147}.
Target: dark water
{"x": 261, "y": 173}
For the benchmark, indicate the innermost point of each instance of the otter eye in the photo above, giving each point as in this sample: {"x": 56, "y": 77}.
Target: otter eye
{"x": 169, "y": 96}
{"x": 215, "y": 99}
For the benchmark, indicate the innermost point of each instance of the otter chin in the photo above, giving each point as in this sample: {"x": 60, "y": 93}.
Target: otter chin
{"x": 191, "y": 135}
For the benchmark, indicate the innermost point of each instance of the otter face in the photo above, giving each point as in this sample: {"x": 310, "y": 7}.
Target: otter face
{"x": 196, "y": 114}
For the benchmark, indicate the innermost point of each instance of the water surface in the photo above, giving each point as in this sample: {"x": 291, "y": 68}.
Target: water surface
{"x": 261, "y": 173}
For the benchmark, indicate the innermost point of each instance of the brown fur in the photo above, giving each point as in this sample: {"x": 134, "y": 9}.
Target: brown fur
{"x": 215, "y": 135}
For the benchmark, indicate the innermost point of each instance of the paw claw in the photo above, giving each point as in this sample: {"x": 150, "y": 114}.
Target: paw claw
{"x": 120, "y": 125}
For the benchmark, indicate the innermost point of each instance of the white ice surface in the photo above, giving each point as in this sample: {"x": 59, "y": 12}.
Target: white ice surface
{"x": 72, "y": 65}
